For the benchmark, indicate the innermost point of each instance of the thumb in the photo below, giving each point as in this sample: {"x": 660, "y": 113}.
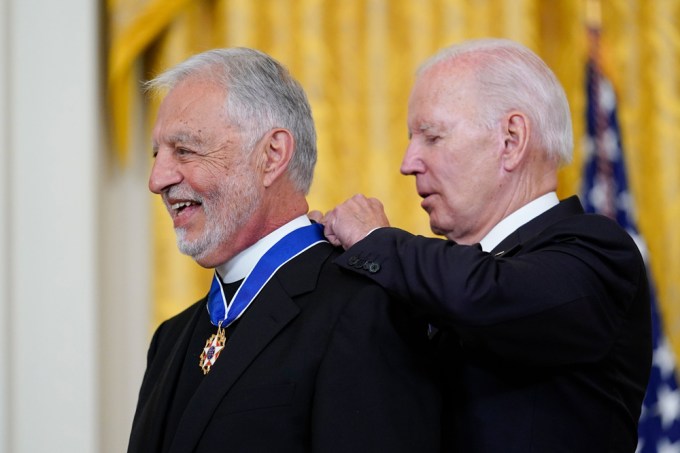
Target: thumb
{"x": 316, "y": 216}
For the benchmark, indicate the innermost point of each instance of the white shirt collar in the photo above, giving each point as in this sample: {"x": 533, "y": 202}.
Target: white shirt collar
{"x": 518, "y": 218}
{"x": 240, "y": 266}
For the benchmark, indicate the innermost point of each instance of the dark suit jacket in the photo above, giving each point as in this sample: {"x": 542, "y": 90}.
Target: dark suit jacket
{"x": 546, "y": 339}
{"x": 322, "y": 361}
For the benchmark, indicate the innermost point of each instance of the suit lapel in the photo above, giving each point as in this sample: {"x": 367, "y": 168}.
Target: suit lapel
{"x": 271, "y": 311}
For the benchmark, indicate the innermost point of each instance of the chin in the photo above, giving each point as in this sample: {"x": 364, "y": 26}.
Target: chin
{"x": 435, "y": 227}
{"x": 196, "y": 248}
{"x": 206, "y": 262}
{"x": 437, "y": 231}
{"x": 204, "y": 258}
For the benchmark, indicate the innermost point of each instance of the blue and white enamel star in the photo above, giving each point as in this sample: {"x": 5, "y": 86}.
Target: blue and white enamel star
{"x": 223, "y": 314}
{"x": 212, "y": 349}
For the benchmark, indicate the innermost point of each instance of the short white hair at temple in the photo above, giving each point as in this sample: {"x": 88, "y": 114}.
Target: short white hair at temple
{"x": 261, "y": 95}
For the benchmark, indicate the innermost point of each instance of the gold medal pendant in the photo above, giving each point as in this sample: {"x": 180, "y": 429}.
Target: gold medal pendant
{"x": 213, "y": 347}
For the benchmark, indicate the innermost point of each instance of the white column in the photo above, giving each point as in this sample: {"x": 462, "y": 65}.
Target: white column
{"x": 4, "y": 234}
{"x": 54, "y": 148}
{"x": 74, "y": 239}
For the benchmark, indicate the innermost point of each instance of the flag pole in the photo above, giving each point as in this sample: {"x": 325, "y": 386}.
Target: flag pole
{"x": 594, "y": 25}
{"x": 601, "y": 123}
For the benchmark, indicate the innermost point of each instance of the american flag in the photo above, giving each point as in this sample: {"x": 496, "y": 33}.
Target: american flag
{"x": 605, "y": 191}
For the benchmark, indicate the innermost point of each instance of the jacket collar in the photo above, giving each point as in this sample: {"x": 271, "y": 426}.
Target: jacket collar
{"x": 514, "y": 241}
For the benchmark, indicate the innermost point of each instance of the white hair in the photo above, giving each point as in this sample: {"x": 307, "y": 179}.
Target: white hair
{"x": 509, "y": 77}
{"x": 261, "y": 95}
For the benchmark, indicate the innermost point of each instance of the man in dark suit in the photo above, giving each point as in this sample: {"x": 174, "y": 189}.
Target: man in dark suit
{"x": 543, "y": 311}
{"x": 287, "y": 353}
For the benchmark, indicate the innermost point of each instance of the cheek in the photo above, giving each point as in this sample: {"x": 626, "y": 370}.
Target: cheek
{"x": 207, "y": 179}
{"x": 461, "y": 188}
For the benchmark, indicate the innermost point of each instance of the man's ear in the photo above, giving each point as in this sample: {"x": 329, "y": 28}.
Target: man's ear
{"x": 279, "y": 146}
{"x": 516, "y": 130}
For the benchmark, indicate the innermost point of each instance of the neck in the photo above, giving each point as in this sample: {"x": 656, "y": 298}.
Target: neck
{"x": 518, "y": 191}
{"x": 279, "y": 208}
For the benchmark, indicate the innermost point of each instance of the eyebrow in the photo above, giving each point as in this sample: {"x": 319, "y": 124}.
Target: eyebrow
{"x": 185, "y": 139}
{"x": 428, "y": 126}
{"x": 182, "y": 139}
{"x": 422, "y": 128}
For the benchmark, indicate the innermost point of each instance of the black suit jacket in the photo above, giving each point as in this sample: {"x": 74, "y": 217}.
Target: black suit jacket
{"x": 546, "y": 340}
{"x": 321, "y": 361}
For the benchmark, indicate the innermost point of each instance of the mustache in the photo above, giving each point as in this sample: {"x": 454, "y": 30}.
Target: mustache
{"x": 181, "y": 193}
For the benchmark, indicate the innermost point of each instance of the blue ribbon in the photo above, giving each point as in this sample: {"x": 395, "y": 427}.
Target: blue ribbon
{"x": 290, "y": 246}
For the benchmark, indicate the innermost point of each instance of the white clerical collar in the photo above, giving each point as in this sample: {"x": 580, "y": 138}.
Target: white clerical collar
{"x": 518, "y": 218}
{"x": 240, "y": 266}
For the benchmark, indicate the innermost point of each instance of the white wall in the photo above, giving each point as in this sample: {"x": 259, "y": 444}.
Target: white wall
{"x": 4, "y": 233}
{"x": 73, "y": 240}
{"x": 125, "y": 289}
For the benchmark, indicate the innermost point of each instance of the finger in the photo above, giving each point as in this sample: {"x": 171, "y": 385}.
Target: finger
{"x": 316, "y": 216}
{"x": 334, "y": 240}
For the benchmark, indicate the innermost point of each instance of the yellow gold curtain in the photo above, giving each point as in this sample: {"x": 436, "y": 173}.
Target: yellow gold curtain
{"x": 133, "y": 25}
{"x": 356, "y": 60}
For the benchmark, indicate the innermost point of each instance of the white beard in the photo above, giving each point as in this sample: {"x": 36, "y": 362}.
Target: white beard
{"x": 226, "y": 210}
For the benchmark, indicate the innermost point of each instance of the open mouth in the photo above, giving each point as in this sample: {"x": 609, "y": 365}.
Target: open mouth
{"x": 182, "y": 211}
{"x": 182, "y": 205}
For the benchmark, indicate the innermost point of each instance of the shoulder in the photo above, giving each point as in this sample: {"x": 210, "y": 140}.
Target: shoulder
{"x": 316, "y": 280}
{"x": 593, "y": 246}
{"x": 568, "y": 224}
{"x": 315, "y": 271}
{"x": 348, "y": 285}
{"x": 595, "y": 231}
{"x": 569, "y": 216}
{"x": 171, "y": 328}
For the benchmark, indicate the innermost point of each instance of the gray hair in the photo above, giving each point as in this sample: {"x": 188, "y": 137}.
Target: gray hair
{"x": 510, "y": 76}
{"x": 261, "y": 95}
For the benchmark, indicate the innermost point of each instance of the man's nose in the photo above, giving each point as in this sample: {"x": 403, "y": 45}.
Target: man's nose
{"x": 411, "y": 163}
{"x": 164, "y": 173}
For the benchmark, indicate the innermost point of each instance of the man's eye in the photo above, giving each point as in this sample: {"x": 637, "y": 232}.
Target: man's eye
{"x": 432, "y": 139}
{"x": 183, "y": 152}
